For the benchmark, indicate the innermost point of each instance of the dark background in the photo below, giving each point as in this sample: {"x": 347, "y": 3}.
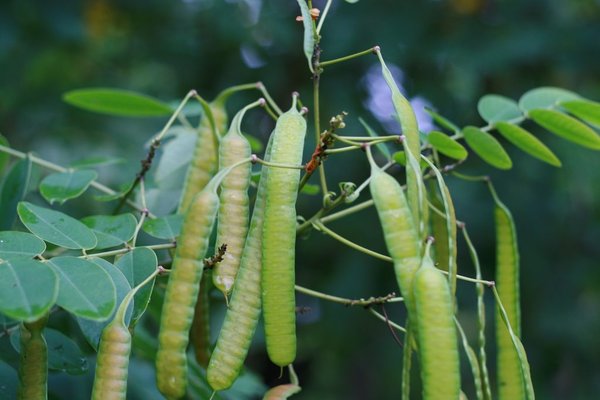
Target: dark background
{"x": 451, "y": 53}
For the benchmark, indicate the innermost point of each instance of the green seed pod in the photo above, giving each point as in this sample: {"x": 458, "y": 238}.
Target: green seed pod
{"x": 33, "y": 366}
{"x": 200, "y": 331}
{"x": 279, "y": 238}
{"x": 244, "y": 307}
{"x": 509, "y": 373}
{"x": 436, "y": 333}
{"x": 232, "y": 223}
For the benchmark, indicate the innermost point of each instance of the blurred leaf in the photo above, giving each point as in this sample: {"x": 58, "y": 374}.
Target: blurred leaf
{"x": 63, "y": 353}
{"x": 494, "y": 108}
{"x": 442, "y": 121}
{"x": 351, "y": 1}
{"x": 117, "y": 195}
{"x": 111, "y": 230}
{"x": 90, "y": 162}
{"x": 587, "y": 110}
{"x": 85, "y": 289}
{"x": 309, "y": 39}
{"x": 400, "y": 158}
{"x": 4, "y": 157}
{"x": 311, "y": 189}
{"x": 545, "y": 97}
{"x": 487, "y": 147}
{"x": 14, "y": 189}
{"x": 92, "y": 330}
{"x": 282, "y": 391}
{"x": 167, "y": 227}
{"x": 117, "y": 102}
{"x": 20, "y": 245}
{"x": 255, "y": 144}
{"x": 28, "y": 288}
{"x": 380, "y": 146}
{"x": 8, "y": 381}
{"x": 567, "y": 127}
{"x": 137, "y": 265}
{"x": 56, "y": 227}
{"x": 449, "y": 147}
{"x": 527, "y": 142}
{"x": 63, "y": 186}
{"x": 176, "y": 154}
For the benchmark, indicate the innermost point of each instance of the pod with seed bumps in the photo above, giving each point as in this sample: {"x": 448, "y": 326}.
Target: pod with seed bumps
{"x": 279, "y": 238}
{"x": 33, "y": 365}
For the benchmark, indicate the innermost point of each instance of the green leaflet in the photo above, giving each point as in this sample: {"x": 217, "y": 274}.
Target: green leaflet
{"x": 117, "y": 102}
{"x": 545, "y": 97}
{"x": 566, "y": 127}
{"x": 447, "y": 146}
{"x": 494, "y": 108}
{"x": 527, "y": 142}
{"x": 487, "y": 147}
{"x": 587, "y": 110}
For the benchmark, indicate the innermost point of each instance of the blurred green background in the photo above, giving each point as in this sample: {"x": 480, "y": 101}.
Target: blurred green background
{"x": 450, "y": 53}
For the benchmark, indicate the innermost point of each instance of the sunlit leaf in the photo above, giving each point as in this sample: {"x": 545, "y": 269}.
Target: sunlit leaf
{"x": 494, "y": 108}
{"x": 117, "y": 102}
{"x": 63, "y": 186}
{"x": 527, "y": 142}
{"x": 545, "y": 97}
{"x": 587, "y": 110}
{"x": 256, "y": 146}
{"x": 111, "y": 230}
{"x": 28, "y": 289}
{"x": 137, "y": 265}
{"x": 63, "y": 353}
{"x": 85, "y": 289}
{"x": 56, "y": 227}
{"x": 14, "y": 189}
{"x": 311, "y": 189}
{"x": 99, "y": 161}
{"x": 309, "y": 39}
{"x": 567, "y": 127}
{"x": 487, "y": 147}
{"x": 400, "y": 158}
{"x": 20, "y": 245}
{"x": 92, "y": 330}
{"x": 164, "y": 227}
{"x": 449, "y": 147}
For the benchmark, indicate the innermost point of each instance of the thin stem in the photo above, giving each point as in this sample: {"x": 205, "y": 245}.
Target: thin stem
{"x": 260, "y": 86}
{"x": 319, "y": 226}
{"x": 472, "y": 178}
{"x": 187, "y": 97}
{"x": 276, "y": 165}
{"x": 162, "y": 246}
{"x": 343, "y": 149}
{"x": 386, "y": 320}
{"x": 323, "y": 16}
{"x": 345, "y": 58}
{"x": 389, "y": 298}
{"x": 224, "y": 95}
{"x": 293, "y": 376}
{"x": 55, "y": 167}
{"x": 347, "y": 211}
{"x": 368, "y": 138}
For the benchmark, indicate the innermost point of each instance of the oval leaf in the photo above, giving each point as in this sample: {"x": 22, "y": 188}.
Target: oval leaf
{"x": 545, "y": 97}
{"x": 85, "y": 289}
{"x": 56, "y": 227}
{"x": 137, "y": 265}
{"x": 14, "y": 190}
{"x": 567, "y": 127}
{"x": 111, "y": 230}
{"x": 587, "y": 110}
{"x": 527, "y": 142}
{"x": 28, "y": 289}
{"x": 309, "y": 39}
{"x": 4, "y": 157}
{"x": 92, "y": 330}
{"x": 167, "y": 227}
{"x": 494, "y": 108}
{"x": 20, "y": 245}
{"x": 487, "y": 147}
{"x": 117, "y": 102}
{"x": 63, "y": 186}
{"x": 63, "y": 353}
{"x": 445, "y": 145}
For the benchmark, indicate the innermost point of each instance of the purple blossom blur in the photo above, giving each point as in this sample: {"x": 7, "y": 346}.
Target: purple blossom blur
{"x": 379, "y": 100}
